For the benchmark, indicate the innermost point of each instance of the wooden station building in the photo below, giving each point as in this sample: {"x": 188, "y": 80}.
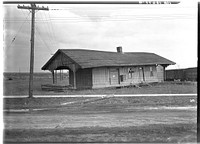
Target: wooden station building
{"x": 98, "y": 69}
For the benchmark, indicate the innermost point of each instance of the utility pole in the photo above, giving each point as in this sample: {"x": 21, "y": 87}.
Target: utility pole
{"x": 198, "y": 97}
{"x": 33, "y": 8}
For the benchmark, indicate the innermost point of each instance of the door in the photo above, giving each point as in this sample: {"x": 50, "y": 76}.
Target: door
{"x": 160, "y": 73}
{"x": 114, "y": 76}
{"x": 141, "y": 74}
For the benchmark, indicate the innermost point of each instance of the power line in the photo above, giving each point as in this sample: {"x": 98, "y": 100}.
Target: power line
{"x": 46, "y": 29}
{"x": 37, "y": 30}
{"x": 18, "y": 31}
{"x": 50, "y": 30}
{"x": 53, "y": 32}
{"x": 102, "y": 19}
{"x": 118, "y": 8}
{"x": 114, "y": 18}
{"x": 102, "y": 16}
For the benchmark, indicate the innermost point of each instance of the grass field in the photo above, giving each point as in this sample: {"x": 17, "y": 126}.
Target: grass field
{"x": 18, "y": 85}
{"x": 94, "y": 103}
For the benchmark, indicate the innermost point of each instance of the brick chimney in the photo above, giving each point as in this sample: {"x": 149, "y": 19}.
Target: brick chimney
{"x": 119, "y": 49}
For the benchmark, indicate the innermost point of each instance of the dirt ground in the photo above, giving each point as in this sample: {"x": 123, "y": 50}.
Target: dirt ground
{"x": 141, "y": 119}
{"x": 143, "y": 126}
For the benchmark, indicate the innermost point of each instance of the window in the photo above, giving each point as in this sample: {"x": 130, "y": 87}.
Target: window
{"x": 151, "y": 71}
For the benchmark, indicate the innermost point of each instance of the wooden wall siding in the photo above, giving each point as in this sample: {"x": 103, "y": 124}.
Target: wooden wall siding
{"x": 160, "y": 73}
{"x": 100, "y": 77}
{"x": 114, "y": 76}
{"x": 137, "y": 75}
{"x": 60, "y": 61}
{"x": 123, "y": 72}
{"x": 84, "y": 78}
{"x": 71, "y": 78}
{"x": 150, "y": 77}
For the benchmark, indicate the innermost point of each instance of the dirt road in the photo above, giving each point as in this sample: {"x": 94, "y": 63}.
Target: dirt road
{"x": 136, "y": 117}
{"x": 115, "y": 120}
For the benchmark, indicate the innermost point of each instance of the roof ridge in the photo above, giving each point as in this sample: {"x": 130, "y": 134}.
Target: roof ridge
{"x": 139, "y": 52}
{"x": 89, "y": 50}
{"x": 87, "y": 58}
{"x": 103, "y": 51}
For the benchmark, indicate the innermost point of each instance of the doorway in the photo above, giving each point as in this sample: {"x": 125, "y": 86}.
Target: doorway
{"x": 114, "y": 76}
{"x": 141, "y": 74}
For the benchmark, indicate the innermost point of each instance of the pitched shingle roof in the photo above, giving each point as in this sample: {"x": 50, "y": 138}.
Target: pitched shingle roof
{"x": 92, "y": 58}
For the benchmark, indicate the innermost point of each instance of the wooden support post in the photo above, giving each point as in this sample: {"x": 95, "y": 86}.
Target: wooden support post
{"x": 53, "y": 76}
{"x": 164, "y": 74}
{"x": 74, "y": 79}
{"x": 74, "y": 74}
{"x": 143, "y": 74}
{"x": 32, "y": 8}
{"x": 118, "y": 71}
{"x": 198, "y": 97}
{"x": 32, "y": 52}
{"x": 109, "y": 77}
{"x": 60, "y": 75}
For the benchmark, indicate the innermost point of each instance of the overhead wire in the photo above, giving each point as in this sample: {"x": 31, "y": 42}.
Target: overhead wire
{"x": 97, "y": 18}
{"x": 46, "y": 29}
{"x": 177, "y": 15}
{"x": 113, "y": 8}
{"x": 37, "y": 30}
{"x": 103, "y": 18}
{"x": 18, "y": 31}
{"x": 52, "y": 27}
{"x": 52, "y": 33}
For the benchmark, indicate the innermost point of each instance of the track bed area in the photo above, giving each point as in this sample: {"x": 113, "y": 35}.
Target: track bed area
{"x": 122, "y": 119}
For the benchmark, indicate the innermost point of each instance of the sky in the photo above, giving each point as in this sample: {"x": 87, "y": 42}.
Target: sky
{"x": 167, "y": 30}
